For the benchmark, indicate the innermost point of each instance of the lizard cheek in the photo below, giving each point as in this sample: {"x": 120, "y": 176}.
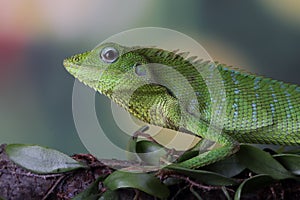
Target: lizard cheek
{"x": 140, "y": 70}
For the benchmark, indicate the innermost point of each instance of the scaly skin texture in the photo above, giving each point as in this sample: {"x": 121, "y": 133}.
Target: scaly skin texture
{"x": 210, "y": 100}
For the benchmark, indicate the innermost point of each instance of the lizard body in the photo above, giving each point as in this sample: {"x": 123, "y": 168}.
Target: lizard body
{"x": 165, "y": 88}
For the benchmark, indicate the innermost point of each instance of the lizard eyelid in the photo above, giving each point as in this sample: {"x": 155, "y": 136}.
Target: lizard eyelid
{"x": 109, "y": 55}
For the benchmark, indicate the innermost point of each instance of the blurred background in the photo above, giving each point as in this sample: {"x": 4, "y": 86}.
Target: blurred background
{"x": 35, "y": 36}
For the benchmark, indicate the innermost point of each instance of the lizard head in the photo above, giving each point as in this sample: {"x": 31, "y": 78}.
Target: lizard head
{"x": 116, "y": 71}
{"x": 108, "y": 67}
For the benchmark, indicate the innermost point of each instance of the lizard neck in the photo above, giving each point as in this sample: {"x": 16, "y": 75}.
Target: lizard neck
{"x": 151, "y": 104}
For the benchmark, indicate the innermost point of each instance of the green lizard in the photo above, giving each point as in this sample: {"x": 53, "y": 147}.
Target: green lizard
{"x": 171, "y": 93}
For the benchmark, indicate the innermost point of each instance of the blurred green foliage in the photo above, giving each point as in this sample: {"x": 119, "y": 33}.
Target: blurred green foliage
{"x": 36, "y": 91}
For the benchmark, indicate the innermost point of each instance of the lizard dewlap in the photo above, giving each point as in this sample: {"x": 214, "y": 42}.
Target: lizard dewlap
{"x": 168, "y": 89}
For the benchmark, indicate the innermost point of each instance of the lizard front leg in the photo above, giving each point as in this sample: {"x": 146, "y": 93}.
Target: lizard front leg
{"x": 193, "y": 124}
{"x": 210, "y": 156}
{"x": 225, "y": 146}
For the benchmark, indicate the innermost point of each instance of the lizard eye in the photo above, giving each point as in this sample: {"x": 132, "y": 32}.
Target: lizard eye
{"x": 109, "y": 54}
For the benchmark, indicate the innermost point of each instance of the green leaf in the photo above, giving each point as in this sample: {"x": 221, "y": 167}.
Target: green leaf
{"x": 91, "y": 193}
{"x": 88, "y": 197}
{"x": 150, "y": 152}
{"x": 228, "y": 167}
{"x": 293, "y": 151}
{"x": 131, "y": 150}
{"x": 144, "y": 182}
{"x": 171, "y": 181}
{"x": 41, "y": 160}
{"x": 131, "y": 146}
{"x": 252, "y": 184}
{"x": 109, "y": 195}
{"x": 187, "y": 155}
{"x": 262, "y": 162}
{"x": 289, "y": 161}
{"x": 207, "y": 177}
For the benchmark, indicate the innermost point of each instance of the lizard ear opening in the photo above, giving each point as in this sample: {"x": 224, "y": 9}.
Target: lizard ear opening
{"x": 109, "y": 55}
{"x": 139, "y": 69}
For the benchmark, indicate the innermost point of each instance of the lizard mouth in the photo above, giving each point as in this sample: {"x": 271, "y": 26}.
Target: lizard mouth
{"x": 67, "y": 63}
{"x": 83, "y": 73}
